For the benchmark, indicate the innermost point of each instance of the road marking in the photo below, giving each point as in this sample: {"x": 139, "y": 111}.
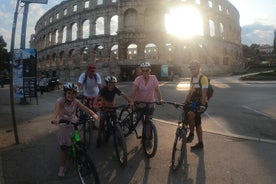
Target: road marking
{"x": 258, "y": 112}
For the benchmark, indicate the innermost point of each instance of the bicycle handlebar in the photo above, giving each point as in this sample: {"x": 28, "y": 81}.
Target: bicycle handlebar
{"x": 63, "y": 121}
{"x": 147, "y": 103}
{"x": 191, "y": 105}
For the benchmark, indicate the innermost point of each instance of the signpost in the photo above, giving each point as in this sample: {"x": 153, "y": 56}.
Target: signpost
{"x": 28, "y": 82}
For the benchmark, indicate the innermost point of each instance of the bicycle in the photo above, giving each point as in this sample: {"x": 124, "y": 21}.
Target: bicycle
{"x": 112, "y": 128}
{"x": 179, "y": 150}
{"x": 85, "y": 167}
{"x": 129, "y": 119}
{"x": 87, "y": 122}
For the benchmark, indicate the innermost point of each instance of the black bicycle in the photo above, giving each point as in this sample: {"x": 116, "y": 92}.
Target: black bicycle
{"x": 129, "y": 119}
{"x": 85, "y": 167}
{"x": 112, "y": 128}
{"x": 179, "y": 151}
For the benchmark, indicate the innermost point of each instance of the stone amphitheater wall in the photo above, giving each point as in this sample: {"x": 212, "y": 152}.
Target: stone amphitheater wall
{"x": 68, "y": 37}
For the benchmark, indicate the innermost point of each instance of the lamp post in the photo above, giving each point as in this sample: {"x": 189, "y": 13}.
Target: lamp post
{"x": 11, "y": 73}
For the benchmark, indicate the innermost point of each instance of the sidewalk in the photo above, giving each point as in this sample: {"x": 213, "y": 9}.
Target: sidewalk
{"x": 224, "y": 160}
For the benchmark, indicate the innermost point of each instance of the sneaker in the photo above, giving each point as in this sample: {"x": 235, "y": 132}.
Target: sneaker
{"x": 197, "y": 146}
{"x": 61, "y": 172}
{"x": 190, "y": 138}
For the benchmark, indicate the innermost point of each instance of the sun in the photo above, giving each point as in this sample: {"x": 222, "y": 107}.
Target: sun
{"x": 184, "y": 22}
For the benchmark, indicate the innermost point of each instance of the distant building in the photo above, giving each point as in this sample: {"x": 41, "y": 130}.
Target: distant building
{"x": 266, "y": 50}
{"x": 117, "y": 35}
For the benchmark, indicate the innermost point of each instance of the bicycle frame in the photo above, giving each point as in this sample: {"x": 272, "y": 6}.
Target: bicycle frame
{"x": 143, "y": 116}
{"x": 85, "y": 167}
{"x": 149, "y": 137}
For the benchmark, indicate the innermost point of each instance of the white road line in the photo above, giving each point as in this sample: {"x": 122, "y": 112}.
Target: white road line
{"x": 258, "y": 112}
{"x": 217, "y": 123}
{"x": 228, "y": 134}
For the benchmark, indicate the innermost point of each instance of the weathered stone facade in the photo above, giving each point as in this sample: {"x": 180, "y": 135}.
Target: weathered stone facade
{"x": 119, "y": 34}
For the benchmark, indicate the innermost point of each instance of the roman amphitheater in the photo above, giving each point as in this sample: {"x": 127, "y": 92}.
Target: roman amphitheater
{"x": 117, "y": 35}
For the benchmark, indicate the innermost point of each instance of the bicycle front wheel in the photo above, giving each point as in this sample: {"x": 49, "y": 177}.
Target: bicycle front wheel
{"x": 86, "y": 169}
{"x": 126, "y": 120}
{"x": 120, "y": 145}
{"x": 179, "y": 151}
{"x": 150, "y": 144}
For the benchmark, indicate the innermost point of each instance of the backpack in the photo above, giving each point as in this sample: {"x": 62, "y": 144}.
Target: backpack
{"x": 85, "y": 79}
{"x": 210, "y": 89}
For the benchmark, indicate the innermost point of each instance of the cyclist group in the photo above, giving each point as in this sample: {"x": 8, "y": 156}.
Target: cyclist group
{"x": 97, "y": 99}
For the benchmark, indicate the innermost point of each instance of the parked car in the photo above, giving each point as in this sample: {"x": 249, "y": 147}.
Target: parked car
{"x": 52, "y": 84}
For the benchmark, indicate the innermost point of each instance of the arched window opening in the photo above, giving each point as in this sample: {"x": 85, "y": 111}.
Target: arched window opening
{"x": 85, "y": 29}
{"x": 100, "y": 26}
{"x": 151, "y": 51}
{"x": 74, "y": 31}
{"x": 132, "y": 52}
{"x": 114, "y": 25}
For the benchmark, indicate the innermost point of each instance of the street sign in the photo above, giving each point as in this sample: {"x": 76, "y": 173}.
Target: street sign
{"x": 35, "y": 1}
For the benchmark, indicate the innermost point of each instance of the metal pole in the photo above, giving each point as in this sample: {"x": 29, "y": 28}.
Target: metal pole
{"x": 24, "y": 25}
{"x": 23, "y": 37}
{"x": 11, "y": 73}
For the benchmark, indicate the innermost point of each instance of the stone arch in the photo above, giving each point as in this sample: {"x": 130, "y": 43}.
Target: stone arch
{"x": 130, "y": 19}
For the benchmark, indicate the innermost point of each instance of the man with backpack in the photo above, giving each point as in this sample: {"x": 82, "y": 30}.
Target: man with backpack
{"x": 90, "y": 83}
{"x": 198, "y": 95}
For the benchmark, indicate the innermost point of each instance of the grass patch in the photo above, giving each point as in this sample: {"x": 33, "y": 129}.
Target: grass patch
{"x": 261, "y": 76}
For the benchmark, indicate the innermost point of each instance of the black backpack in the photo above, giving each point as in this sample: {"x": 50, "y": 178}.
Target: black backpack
{"x": 210, "y": 90}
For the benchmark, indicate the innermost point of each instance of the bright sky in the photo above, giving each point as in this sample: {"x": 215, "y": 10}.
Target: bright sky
{"x": 257, "y": 19}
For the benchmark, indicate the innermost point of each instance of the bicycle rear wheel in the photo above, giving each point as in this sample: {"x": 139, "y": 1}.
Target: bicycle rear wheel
{"x": 86, "y": 169}
{"x": 120, "y": 145}
{"x": 88, "y": 132}
{"x": 150, "y": 145}
{"x": 179, "y": 151}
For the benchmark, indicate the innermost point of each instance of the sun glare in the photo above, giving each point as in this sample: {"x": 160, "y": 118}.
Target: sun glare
{"x": 184, "y": 22}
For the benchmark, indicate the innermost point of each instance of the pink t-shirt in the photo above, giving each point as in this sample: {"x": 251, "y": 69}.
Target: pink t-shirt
{"x": 145, "y": 91}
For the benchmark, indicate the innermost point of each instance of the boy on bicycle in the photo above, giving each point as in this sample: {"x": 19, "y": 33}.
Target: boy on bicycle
{"x": 65, "y": 108}
{"x": 107, "y": 98}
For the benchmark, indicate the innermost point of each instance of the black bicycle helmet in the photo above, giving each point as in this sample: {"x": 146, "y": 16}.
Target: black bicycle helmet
{"x": 70, "y": 87}
{"x": 110, "y": 78}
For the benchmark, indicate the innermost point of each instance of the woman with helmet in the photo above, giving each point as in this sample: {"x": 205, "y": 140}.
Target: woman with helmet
{"x": 65, "y": 108}
{"x": 144, "y": 89}
{"x": 107, "y": 96}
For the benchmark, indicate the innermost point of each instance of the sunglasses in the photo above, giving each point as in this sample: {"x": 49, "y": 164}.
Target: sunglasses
{"x": 145, "y": 70}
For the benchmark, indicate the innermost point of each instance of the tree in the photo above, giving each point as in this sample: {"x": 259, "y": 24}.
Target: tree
{"x": 274, "y": 43}
{"x": 4, "y": 59}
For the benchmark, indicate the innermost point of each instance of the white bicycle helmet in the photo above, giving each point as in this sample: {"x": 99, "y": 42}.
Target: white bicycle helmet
{"x": 70, "y": 87}
{"x": 110, "y": 78}
{"x": 145, "y": 65}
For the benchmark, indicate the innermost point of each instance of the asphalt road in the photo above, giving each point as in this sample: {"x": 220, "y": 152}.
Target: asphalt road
{"x": 239, "y": 138}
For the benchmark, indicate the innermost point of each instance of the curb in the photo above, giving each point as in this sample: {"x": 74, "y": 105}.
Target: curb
{"x": 271, "y": 141}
